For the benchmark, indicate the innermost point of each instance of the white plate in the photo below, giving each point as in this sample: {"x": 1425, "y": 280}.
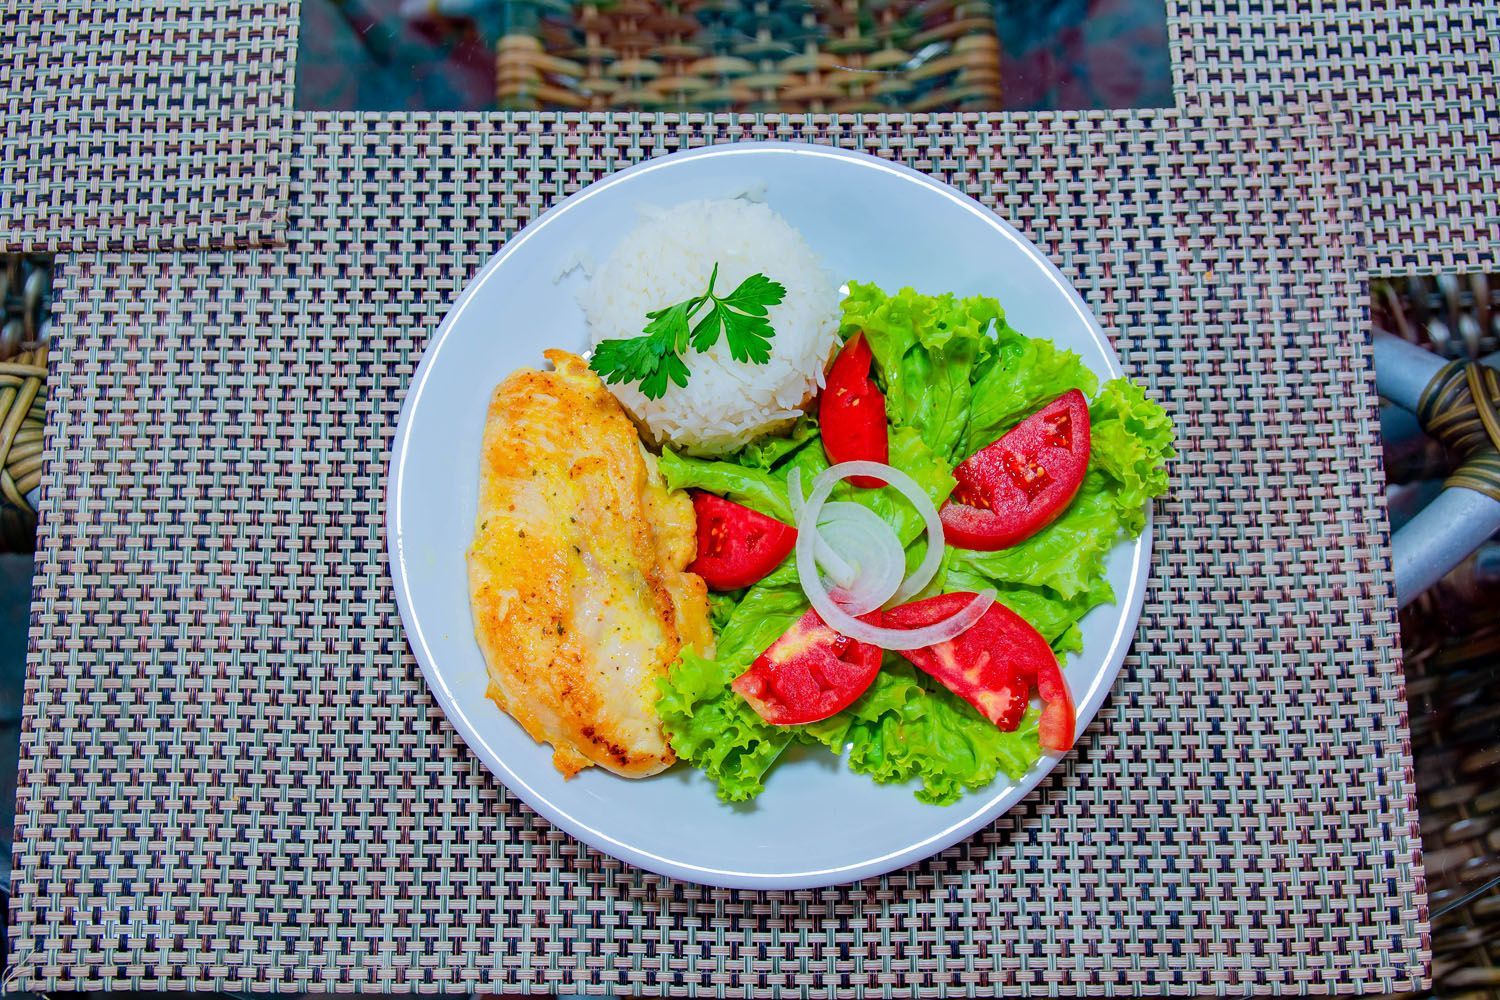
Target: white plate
{"x": 816, "y": 823}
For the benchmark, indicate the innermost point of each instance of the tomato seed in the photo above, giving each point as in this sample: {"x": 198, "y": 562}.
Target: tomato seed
{"x": 1060, "y": 430}
{"x": 1026, "y": 473}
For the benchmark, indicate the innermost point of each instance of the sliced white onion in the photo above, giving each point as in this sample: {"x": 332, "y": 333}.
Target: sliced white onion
{"x": 859, "y": 551}
{"x": 794, "y": 494}
{"x": 838, "y": 618}
{"x": 839, "y": 570}
{"x": 933, "y": 558}
{"x": 860, "y": 538}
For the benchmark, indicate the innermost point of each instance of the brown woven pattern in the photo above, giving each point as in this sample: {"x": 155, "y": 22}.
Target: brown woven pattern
{"x": 25, "y": 285}
{"x": 1422, "y": 82}
{"x": 88, "y": 85}
{"x": 1457, "y": 316}
{"x": 144, "y": 123}
{"x": 824, "y": 55}
{"x": 233, "y": 774}
{"x": 23, "y": 401}
{"x": 1452, "y": 647}
{"x": 1461, "y": 408}
{"x": 1457, "y": 691}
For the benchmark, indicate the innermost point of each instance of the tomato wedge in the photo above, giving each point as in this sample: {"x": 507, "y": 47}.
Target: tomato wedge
{"x": 736, "y": 545}
{"x": 851, "y": 411}
{"x": 809, "y": 673}
{"x": 1021, "y": 483}
{"x": 992, "y": 665}
{"x": 1059, "y": 722}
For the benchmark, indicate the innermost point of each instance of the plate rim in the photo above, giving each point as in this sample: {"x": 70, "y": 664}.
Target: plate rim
{"x": 1001, "y": 801}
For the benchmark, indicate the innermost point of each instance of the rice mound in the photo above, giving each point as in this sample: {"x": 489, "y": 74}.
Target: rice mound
{"x": 667, "y": 259}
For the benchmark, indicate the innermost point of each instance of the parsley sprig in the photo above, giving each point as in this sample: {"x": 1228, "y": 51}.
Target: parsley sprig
{"x": 655, "y": 357}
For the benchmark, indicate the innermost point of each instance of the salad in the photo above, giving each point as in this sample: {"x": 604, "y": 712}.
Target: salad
{"x": 900, "y": 577}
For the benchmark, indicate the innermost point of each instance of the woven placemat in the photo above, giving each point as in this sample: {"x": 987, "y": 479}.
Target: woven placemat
{"x": 233, "y": 775}
{"x": 144, "y": 124}
{"x": 186, "y": 102}
{"x": 1421, "y": 83}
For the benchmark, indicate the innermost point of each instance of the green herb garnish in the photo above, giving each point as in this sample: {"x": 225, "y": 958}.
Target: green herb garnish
{"x": 655, "y": 356}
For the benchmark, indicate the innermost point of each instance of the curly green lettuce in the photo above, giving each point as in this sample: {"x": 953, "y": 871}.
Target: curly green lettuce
{"x": 954, "y": 369}
{"x": 767, "y": 490}
{"x": 1132, "y": 440}
{"x": 907, "y": 728}
{"x": 904, "y": 728}
{"x": 956, "y": 377}
{"x": 756, "y": 488}
{"x": 712, "y": 727}
{"x": 927, "y": 349}
{"x": 715, "y": 730}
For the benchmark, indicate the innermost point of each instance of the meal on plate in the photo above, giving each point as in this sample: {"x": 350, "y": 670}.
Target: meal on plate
{"x": 900, "y": 508}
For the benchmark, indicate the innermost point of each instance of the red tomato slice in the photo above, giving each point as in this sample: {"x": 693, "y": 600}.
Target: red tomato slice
{"x": 992, "y": 666}
{"x": 1020, "y": 484}
{"x": 851, "y": 412}
{"x": 1059, "y": 722}
{"x": 736, "y": 545}
{"x": 810, "y": 673}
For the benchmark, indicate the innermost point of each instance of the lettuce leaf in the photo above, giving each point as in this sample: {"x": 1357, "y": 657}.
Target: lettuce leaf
{"x": 1018, "y": 377}
{"x": 756, "y": 488}
{"x": 768, "y": 609}
{"x": 956, "y": 377}
{"x": 927, "y": 348}
{"x": 907, "y": 727}
{"x": 769, "y": 452}
{"x": 904, "y": 728}
{"x": 709, "y": 725}
{"x": 721, "y": 607}
{"x": 1131, "y": 438}
{"x": 715, "y": 730}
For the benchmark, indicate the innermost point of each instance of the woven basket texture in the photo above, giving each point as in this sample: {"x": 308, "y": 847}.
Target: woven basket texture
{"x": 1421, "y": 83}
{"x": 194, "y": 99}
{"x": 827, "y": 55}
{"x": 1453, "y": 682}
{"x": 25, "y": 286}
{"x": 1455, "y": 315}
{"x": 1451, "y": 646}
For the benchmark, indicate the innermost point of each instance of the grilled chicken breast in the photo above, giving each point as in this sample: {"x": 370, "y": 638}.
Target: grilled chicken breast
{"x": 577, "y": 576}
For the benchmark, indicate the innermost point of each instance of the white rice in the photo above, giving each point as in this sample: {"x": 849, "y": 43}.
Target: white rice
{"x": 667, "y": 259}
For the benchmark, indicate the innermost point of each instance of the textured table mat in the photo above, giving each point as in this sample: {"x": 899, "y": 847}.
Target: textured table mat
{"x": 1421, "y": 83}
{"x": 234, "y": 777}
{"x": 188, "y": 104}
{"x": 144, "y": 124}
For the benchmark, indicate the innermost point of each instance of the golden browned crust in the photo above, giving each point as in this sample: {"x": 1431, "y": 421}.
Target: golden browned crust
{"x": 577, "y": 571}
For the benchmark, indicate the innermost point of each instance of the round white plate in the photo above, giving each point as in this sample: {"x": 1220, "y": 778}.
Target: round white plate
{"x": 816, "y": 823}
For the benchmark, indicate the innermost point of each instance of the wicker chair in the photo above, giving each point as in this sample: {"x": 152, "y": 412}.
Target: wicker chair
{"x": 1452, "y": 647}
{"x": 25, "y": 283}
{"x": 1456, "y": 316}
{"x": 712, "y": 55}
{"x": 1451, "y": 640}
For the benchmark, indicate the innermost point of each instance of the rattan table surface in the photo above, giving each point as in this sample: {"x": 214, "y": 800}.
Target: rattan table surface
{"x": 233, "y": 776}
